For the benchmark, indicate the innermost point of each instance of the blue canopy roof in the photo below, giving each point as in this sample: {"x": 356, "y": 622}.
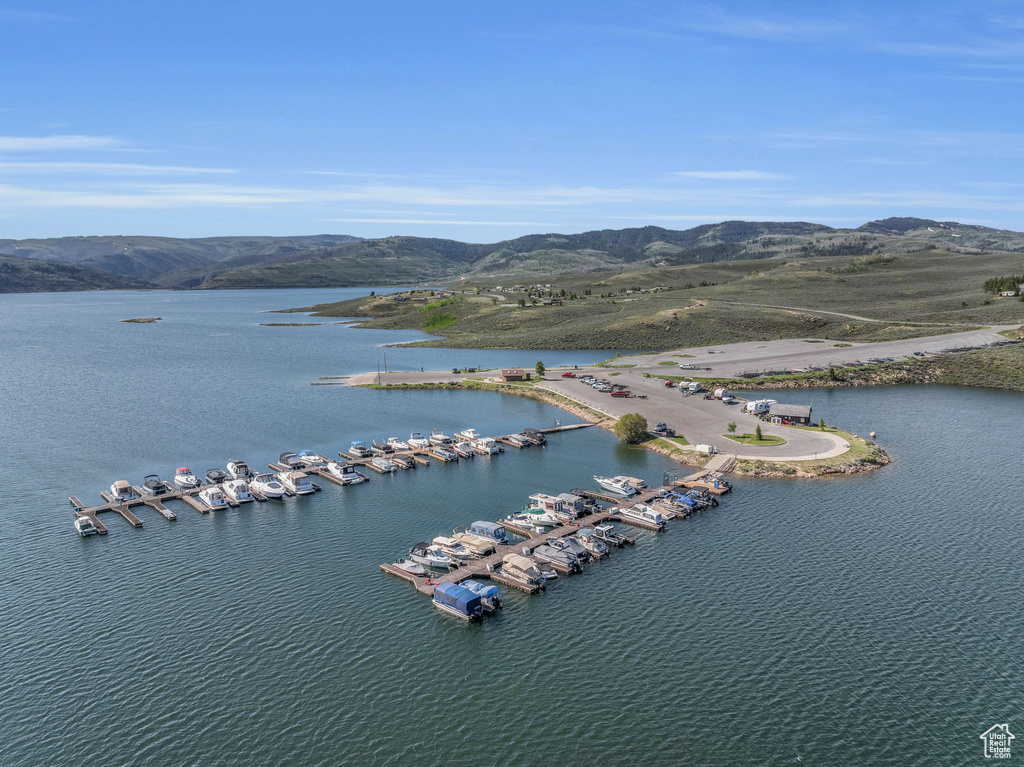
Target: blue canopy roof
{"x": 480, "y": 589}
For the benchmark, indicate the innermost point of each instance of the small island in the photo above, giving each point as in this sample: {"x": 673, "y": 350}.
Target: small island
{"x": 143, "y": 319}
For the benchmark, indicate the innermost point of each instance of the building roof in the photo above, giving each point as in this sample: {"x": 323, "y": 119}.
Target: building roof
{"x": 792, "y": 411}
{"x": 513, "y": 372}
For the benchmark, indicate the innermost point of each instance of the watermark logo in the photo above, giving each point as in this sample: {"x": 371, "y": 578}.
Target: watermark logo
{"x": 997, "y": 741}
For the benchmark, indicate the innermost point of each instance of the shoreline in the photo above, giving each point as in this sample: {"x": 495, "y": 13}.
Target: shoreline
{"x": 867, "y": 456}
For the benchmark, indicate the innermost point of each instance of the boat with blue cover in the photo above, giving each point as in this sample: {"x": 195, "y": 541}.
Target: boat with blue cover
{"x": 458, "y": 601}
{"x": 487, "y": 592}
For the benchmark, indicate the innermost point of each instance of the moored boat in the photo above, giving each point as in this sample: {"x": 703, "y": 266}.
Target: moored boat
{"x": 485, "y": 446}
{"x": 492, "y": 531}
{"x": 381, "y": 448}
{"x": 478, "y": 545}
{"x": 85, "y": 526}
{"x": 644, "y": 513}
{"x": 267, "y": 485}
{"x": 438, "y": 437}
{"x": 153, "y": 485}
{"x": 213, "y": 497}
{"x": 522, "y": 569}
{"x": 122, "y": 491}
{"x": 289, "y": 460}
{"x": 463, "y": 450}
{"x": 468, "y": 435}
{"x": 432, "y": 556}
{"x": 487, "y": 592}
{"x": 238, "y": 491}
{"x": 413, "y": 568}
{"x": 240, "y": 470}
{"x": 216, "y": 476}
{"x": 607, "y": 534}
{"x": 446, "y": 454}
{"x": 402, "y": 461}
{"x": 359, "y": 449}
{"x": 452, "y": 548}
{"x": 185, "y": 479}
{"x": 615, "y": 485}
{"x": 397, "y": 444}
{"x": 558, "y": 557}
{"x": 308, "y": 459}
{"x": 458, "y": 601}
{"x": 588, "y": 538}
{"x": 383, "y": 465}
{"x": 296, "y": 482}
{"x": 346, "y": 472}
{"x": 418, "y": 441}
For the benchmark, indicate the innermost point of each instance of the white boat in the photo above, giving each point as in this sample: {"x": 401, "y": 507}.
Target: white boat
{"x": 615, "y": 485}
{"x": 359, "y": 449}
{"x": 184, "y": 478}
{"x": 519, "y": 440}
{"x": 296, "y": 482}
{"x": 521, "y": 569}
{"x": 213, "y": 497}
{"x": 438, "y": 437}
{"x": 239, "y": 469}
{"x": 452, "y": 548}
{"x": 485, "y": 446}
{"x": 397, "y": 444}
{"x": 346, "y": 472}
{"x": 413, "y": 568}
{"x": 308, "y": 458}
{"x": 549, "y": 510}
{"x": 431, "y": 556}
{"x": 384, "y": 465}
{"x": 85, "y": 526}
{"x": 644, "y": 513}
{"x": 238, "y": 491}
{"x": 524, "y": 522}
{"x": 463, "y": 449}
{"x": 122, "y": 491}
{"x": 468, "y": 435}
{"x": 266, "y": 484}
{"x": 418, "y": 441}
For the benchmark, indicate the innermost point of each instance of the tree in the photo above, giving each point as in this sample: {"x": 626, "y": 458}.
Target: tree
{"x": 522, "y": 302}
{"x": 757, "y": 433}
{"x": 821, "y": 424}
{"x": 731, "y": 428}
{"x": 631, "y": 428}
{"x": 539, "y": 367}
{"x": 373, "y": 293}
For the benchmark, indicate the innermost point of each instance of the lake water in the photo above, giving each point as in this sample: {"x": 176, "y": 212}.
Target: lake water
{"x": 871, "y": 620}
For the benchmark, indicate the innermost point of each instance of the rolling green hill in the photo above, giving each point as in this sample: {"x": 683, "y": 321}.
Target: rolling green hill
{"x": 888, "y": 296}
{"x": 340, "y": 260}
{"x": 29, "y": 275}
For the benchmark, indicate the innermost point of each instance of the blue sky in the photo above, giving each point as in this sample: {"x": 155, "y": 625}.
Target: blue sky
{"x": 483, "y": 121}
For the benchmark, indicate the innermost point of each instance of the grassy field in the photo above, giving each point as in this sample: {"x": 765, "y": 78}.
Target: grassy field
{"x": 767, "y": 440}
{"x": 889, "y": 297}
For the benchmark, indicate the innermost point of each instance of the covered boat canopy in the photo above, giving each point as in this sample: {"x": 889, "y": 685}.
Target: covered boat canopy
{"x": 489, "y": 529}
{"x": 484, "y": 590}
{"x": 458, "y": 597}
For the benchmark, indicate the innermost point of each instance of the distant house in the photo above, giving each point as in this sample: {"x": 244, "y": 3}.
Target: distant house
{"x": 1009, "y": 293}
{"x": 547, "y": 301}
{"x": 514, "y": 374}
{"x": 792, "y": 413}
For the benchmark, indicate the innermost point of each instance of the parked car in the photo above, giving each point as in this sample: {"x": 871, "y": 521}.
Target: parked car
{"x": 670, "y": 383}
{"x": 568, "y": 375}
{"x": 621, "y": 393}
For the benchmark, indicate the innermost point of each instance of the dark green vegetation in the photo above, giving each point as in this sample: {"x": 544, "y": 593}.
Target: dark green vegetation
{"x": 907, "y": 295}
{"x": 754, "y": 439}
{"x": 997, "y": 284}
{"x": 631, "y": 429}
{"x": 143, "y": 320}
{"x": 28, "y": 275}
{"x": 340, "y": 260}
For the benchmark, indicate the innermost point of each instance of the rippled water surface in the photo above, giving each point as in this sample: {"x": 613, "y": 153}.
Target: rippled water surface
{"x": 866, "y": 620}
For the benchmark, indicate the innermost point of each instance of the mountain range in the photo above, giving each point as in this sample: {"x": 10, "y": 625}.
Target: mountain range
{"x": 342, "y": 260}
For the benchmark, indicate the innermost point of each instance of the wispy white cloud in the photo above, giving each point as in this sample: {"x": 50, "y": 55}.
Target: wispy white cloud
{"x": 58, "y": 143}
{"x": 730, "y": 175}
{"x": 105, "y": 169}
